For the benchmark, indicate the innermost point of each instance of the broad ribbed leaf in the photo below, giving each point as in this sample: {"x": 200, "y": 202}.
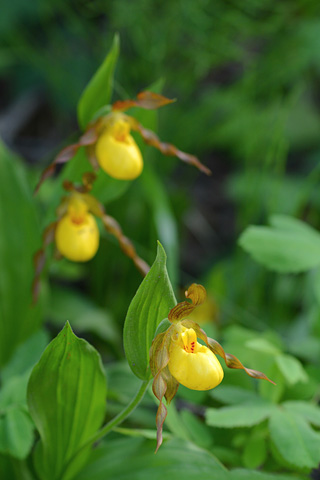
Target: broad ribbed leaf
{"x": 294, "y": 439}
{"x": 98, "y": 92}
{"x": 66, "y": 398}
{"x": 238, "y": 416}
{"x": 150, "y": 305}
{"x": 176, "y": 460}
{"x": 289, "y": 245}
{"x": 19, "y": 240}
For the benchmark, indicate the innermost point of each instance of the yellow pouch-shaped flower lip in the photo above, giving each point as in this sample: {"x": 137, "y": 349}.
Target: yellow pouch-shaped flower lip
{"x": 77, "y": 233}
{"x": 117, "y": 152}
{"x": 192, "y": 364}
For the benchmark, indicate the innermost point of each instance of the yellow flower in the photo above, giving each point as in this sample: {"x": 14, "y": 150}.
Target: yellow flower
{"x": 77, "y": 233}
{"x": 116, "y": 151}
{"x": 177, "y": 357}
{"x": 192, "y": 364}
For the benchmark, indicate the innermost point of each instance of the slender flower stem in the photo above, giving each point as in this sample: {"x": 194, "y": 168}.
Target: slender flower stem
{"x": 110, "y": 425}
{"x": 121, "y": 416}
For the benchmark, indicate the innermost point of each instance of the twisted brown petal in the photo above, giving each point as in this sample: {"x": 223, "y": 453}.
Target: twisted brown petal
{"x": 88, "y": 138}
{"x": 197, "y": 294}
{"x": 147, "y": 100}
{"x": 150, "y": 138}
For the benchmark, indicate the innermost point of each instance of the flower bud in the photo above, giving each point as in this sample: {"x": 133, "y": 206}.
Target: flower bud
{"x": 117, "y": 152}
{"x": 192, "y": 364}
{"x": 77, "y": 233}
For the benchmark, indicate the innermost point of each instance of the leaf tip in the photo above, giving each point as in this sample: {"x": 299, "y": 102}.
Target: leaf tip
{"x": 160, "y": 250}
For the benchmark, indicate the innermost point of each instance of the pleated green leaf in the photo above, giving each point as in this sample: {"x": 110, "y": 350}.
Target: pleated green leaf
{"x": 150, "y": 305}
{"x": 19, "y": 240}
{"x": 98, "y": 92}
{"x": 66, "y": 399}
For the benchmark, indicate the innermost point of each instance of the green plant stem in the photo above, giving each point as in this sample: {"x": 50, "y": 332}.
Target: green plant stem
{"x": 110, "y": 425}
{"x": 121, "y": 416}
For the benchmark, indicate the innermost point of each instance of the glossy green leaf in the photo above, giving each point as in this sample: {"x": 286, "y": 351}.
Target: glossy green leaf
{"x": 238, "y": 416}
{"x": 176, "y": 459}
{"x": 16, "y": 432}
{"x": 289, "y": 245}
{"x": 98, "y": 92}
{"x": 19, "y": 239}
{"x": 66, "y": 399}
{"x": 150, "y": 305}
{"x": 297, "y": 443}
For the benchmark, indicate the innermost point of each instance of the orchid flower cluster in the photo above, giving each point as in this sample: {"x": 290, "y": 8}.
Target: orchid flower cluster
{"x": 176, "y": 356}
{"x": 110, "y": 146}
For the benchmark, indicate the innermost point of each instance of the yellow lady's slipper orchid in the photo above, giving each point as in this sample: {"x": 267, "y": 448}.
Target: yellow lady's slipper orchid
{"x": 117, "y": 152}
{"x": 192, "y": 364}
{"x": 77, "y": 233}
{"x": 177, "y": 357}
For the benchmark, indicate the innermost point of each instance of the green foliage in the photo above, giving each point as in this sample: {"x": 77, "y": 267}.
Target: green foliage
{"x": 98, "y": 92}
{"x": 16, "y": 426}
{"x": 18, "y": 222}
{"x": 289, "y": 245}
{"x": 150, "y": 305}
{"x": 66, "y": 400}
{"x": 175, "y": 459}
{"x": 16, "y": 433}
{"x": 257, "y": 124}
{"x": 255, "y": 451}
{"x": 67, "y": 303}
{"x": 295, "y": 440}
{"x": 238, "y": 416}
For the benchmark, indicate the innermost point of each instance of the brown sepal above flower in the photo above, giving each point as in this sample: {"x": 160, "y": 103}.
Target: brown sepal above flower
{"x": 147, "y": 100}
